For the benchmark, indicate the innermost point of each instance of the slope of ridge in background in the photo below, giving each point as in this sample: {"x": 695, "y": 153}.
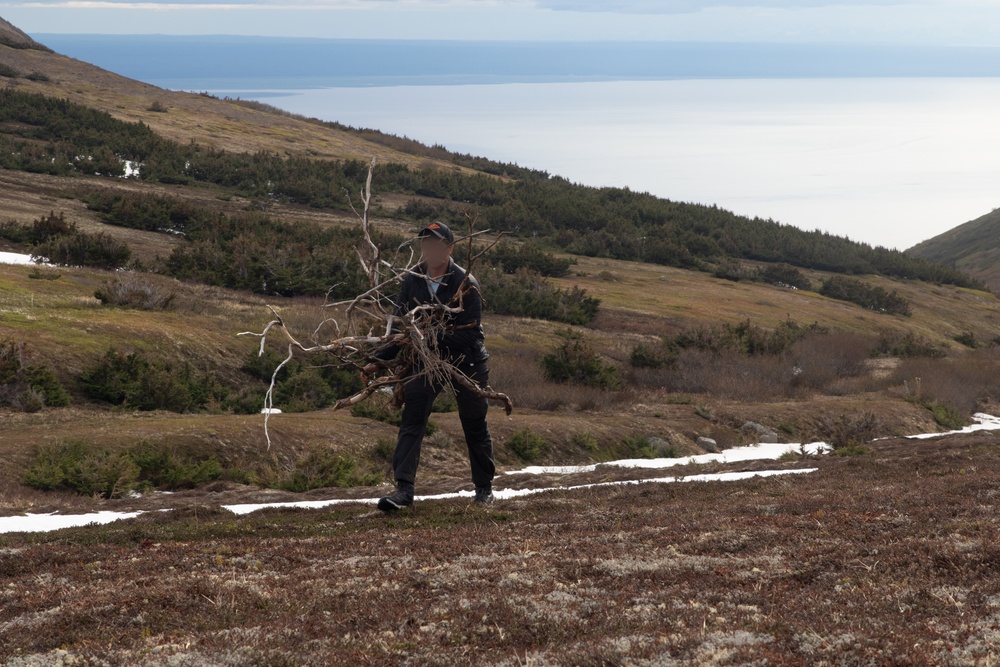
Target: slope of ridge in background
{"x": 973, "y": 248}
{"x": 189, "y": 116}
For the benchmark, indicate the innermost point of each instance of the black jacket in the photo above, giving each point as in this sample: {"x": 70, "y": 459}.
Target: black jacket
{"x": 463, "y": 336}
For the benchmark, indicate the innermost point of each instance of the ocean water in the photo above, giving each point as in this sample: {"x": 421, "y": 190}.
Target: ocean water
{"x": 885, "y": 161}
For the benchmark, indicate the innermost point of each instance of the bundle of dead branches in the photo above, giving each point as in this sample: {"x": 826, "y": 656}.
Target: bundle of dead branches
{"x": 371, "y": 322}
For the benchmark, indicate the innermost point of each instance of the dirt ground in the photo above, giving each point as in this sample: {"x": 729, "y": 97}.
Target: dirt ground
{"x": 889, "y": 557}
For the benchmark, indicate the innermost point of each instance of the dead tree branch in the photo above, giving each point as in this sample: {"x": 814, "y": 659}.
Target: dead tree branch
{"x": 371, "y": 323}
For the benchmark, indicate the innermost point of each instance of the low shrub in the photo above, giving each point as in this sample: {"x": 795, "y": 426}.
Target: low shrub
{"x": 865, "y": 295}
{"x": 302, "y": 386}
{"x": 98, "y": 471}
{"x": 783, "y": 275}
{"x": 641, "y": 447}
{"x": 511, "y": 257}
{"x": 519, "y": 373}
{"x": 575, "y": 361}
{"x": 59, "y": 241}
{"x": 135, "y": 382}
{"x": 645, "y": 355}
{"x": 847, "y": 431}
{"x": 165, "y": 468}
{"x": 527, "y": 445}
{"x": 325, "y": 468}
{"x": 527, "y": 293}
{"x": 132, "y": 290}
{"x": 906, "y": 344}
{"x": 25, "y": 386}
{"x": 952, "y": 389}
{"x": 946, "y": 415}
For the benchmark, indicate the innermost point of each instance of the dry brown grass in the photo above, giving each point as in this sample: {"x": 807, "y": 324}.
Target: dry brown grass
{"x": 964, "y": 383}
{"x": 650, "y": 300}
{"x": 518, "y": 372}
{"x": 68, "y": 329}
{"x": 835, "y": 363}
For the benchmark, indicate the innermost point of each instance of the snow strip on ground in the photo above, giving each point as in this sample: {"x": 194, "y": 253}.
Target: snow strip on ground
{"x": 759, "y": 452}
{"x": 15, "y": 258}
{"x": 47, "y": 522}
{"x": 503, "y": 494}
{"x": 983, "y": 422}
{"x": 36, "y": 523}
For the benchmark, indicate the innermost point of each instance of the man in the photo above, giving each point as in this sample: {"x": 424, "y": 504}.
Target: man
{"x": 437, "y": 279}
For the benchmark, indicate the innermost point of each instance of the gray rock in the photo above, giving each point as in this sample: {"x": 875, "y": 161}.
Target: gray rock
{"x": 663, "y": 448}
{"x": 759, "y": 432}
{"x": 708, "y": 444}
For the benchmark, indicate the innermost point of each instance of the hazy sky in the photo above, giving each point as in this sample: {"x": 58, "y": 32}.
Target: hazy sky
{"x": 960, "y": 22}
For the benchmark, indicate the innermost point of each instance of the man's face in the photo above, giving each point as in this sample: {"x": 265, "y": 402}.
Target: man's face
{"x": 436, "y": 252}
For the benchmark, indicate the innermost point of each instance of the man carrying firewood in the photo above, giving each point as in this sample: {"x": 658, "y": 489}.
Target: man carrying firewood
{"x": 438, "y": 279}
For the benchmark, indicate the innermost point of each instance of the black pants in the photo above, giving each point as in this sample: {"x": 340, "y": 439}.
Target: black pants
{"x": 418, "y": 397}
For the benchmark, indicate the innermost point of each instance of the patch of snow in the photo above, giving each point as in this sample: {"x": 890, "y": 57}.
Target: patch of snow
{"x": 36, "y": 523}
{"x": 763, "y": 451}
{"x": 503, "y": 494}
{"x": 131, "y": 168}
{"x": 47, "y": 522}
{"x": 270, "y": 411}
{"x": 16, "y": 258}
{"x": 983, "y": 422}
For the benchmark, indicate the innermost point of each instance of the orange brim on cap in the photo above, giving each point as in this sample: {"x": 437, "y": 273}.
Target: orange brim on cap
{"x": 435, "y": 229}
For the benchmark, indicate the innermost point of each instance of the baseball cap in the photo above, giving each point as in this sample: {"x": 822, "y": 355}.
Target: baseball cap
{"x": 438, "y": 229}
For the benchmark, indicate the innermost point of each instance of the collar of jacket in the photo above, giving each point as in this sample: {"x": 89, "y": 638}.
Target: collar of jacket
{"x": 449, "y": 281}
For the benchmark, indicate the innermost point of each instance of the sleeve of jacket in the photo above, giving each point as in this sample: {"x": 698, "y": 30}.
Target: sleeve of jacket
{"x": 470, "y": 317}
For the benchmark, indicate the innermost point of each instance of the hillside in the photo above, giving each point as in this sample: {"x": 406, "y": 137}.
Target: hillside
{"x": 188, "y": 117}
{"x": 11, "y": 35}
{"x": 973, "y": 248}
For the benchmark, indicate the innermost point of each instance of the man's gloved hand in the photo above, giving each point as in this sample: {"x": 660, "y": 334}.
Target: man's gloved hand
{"x": 368, "y": 371}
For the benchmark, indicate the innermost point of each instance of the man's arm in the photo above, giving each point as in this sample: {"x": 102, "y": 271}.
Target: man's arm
{"x": 466, "y": 334}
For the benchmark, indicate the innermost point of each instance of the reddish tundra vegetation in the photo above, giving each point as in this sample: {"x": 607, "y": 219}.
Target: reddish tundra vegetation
{"x": 886, "y": 557}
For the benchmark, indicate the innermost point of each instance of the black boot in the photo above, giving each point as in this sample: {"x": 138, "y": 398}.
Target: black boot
{"x": 484, "y": 494}
{"x": 403, "y": 497}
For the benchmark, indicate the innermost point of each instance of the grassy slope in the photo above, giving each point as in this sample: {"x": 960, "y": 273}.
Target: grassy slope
{"x": 68, "y": 329}
{"x": 210, "y": 122}
{"x": 973, "y": 248}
